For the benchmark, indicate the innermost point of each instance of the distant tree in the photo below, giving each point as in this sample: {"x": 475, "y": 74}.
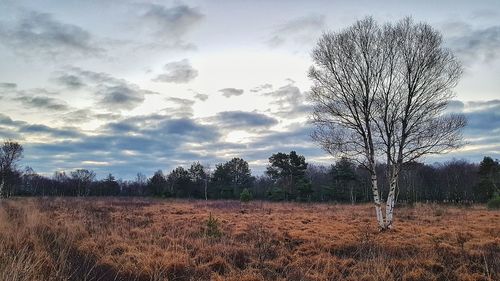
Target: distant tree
{"x": 245, "y": 195}
{"x": 10, "y": 154}
{"x": 179, "y": 182}
{"x": 288, "y": 171}
{"x": 107, "y": 187}
{"x": 82, "y": 178}
{"x": 198, "y": 178}
{"x": 346, "y": 182}
{"x": 304, "y": 189}
{"x": 489, "y": 178}
{"x": 321, "y": 181}
{"x": 232, "y": 177}
{"x": 158, "y": 185}
{"x": 381, "y": 92}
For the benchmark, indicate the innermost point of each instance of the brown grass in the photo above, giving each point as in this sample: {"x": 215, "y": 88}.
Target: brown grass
{"x": 146, "y": 239}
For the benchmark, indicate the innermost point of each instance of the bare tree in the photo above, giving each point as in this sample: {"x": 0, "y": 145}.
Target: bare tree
{"x": 417, "y": 87}
{"x": 346, "y": 78}
{"x": 83, "y": 178}
{"x": 10, "y": 153}
{"x": 380, "y": 92}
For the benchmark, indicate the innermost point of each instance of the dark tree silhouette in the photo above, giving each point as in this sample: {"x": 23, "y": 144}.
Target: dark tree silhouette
{"x": 10, "y": 154}
{"x": 288, "y": 171}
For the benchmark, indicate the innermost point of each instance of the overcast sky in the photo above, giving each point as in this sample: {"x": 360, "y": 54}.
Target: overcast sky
{"x": 131, "y": 86}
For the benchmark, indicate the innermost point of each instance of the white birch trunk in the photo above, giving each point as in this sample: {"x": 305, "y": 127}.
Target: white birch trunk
{"x": 391, "y": 199}
{"x": 376, "y": 200}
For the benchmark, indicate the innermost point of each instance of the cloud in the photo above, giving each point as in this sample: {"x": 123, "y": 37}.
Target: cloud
{"x": 244, "y": 120}
{"x": 483, "y": 118}
{"x": 455, "y": 106}
{"x": 111, "y": 93}
{"x": 475, "y": 44}
{"x": 261, "y": 88}
{"x": 53, "y": 132}
{"x": 168, "y": 26}
{"x": 229, "y": 92}
{"x": 42, "y": 103}
{"x": 8, "y": 86}
{"x": 86, "y": 115}
{"x": 69, "y": 81}
{"x": 290, "y": 101}
{"x": 136, "y": 144}
{"x": 7, "y": 121}
{"x": 201, "y": 97}
{"x": 182, "y": 107}
{"x": 120, "y": 96}
{"x": 177, "y": 72}
{"x": 300, "y": 30}
{"x": 39, "y": 34}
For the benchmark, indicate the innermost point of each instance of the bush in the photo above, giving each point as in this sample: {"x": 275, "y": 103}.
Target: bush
{"x": 276, "y": 194}
{"x": 245, "y": 195}
{"x": 212, "y": 227}
{"x": 494, "y": 203}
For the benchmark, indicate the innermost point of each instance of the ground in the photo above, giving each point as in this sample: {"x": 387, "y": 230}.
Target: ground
{"x": 149, "y": 239}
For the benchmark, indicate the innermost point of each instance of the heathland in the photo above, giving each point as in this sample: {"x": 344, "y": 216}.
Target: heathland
{"x": 153, "y": 239}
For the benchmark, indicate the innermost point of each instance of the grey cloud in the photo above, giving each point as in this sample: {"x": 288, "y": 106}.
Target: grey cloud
{"x": 229, "y": 92}
{"x": 55, "y": 133}
{"x": 7, "y": 121}
{"x": 69, "y": 81}
{"x": 169, "y": 25}
{"x": 244, "y": 120}
{"x": 201, "y": 97}
{"x": 484, "y": 14}
{"x": 262, "y": 87}
{"x": 121, "y": 96}
{"x": 33, "y": 33}
{"x": 154, "y": 141}
{"x": 455, "y": 106}
{"x": 301, "y": 30}
{"x": 182, "y": 107}
{"x": 111, "y": 93}
{"x": 86, "y": 115}
{"x": 290, "y": 101}
{"x": 483, "y": 118}
{"x": 8, "y": 86}
{"x": 177, "y": 72}
{"x": 476, "y": 44}
{"x": 41, "y": 102}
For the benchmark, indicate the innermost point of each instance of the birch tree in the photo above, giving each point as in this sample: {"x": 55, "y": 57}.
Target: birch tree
{"x": 379, "y": 93}
{"x": 346, "y": 77}
{"x": 417, "y": 85}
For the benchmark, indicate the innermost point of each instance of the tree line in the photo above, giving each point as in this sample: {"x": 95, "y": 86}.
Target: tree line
{"x": 288, "y": 177}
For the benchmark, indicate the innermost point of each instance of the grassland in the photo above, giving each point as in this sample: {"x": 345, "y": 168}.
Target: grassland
{"x": 146, "y": 239}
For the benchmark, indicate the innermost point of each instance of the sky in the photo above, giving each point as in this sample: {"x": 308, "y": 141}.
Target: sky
{"x": 135, "y": 86}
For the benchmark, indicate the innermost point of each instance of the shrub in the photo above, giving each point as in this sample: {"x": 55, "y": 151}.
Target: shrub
{"x": 245, "y": 195}
{"x": 212, "y": 227}
{"x": 494, "y": 203}
{"x": 276, "y": 194}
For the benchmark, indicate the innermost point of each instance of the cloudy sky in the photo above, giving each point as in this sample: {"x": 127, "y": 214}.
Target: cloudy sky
{"x": 136, "y": 86}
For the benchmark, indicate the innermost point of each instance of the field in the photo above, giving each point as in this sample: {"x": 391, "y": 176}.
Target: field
{"x": 147, "y": 239}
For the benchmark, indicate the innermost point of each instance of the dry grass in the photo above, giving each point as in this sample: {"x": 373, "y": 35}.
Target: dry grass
{"x": 145, "y": 239}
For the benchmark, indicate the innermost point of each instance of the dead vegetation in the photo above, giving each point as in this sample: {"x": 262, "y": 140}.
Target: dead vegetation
{"x": 145, "y": 239}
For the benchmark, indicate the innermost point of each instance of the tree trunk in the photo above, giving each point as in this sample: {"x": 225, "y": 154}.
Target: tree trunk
{"x": 376, "y": 200}
{"x": 391, "y": 199}
{"x": 206, "y": 185}
{"x": 2, "y": 187}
